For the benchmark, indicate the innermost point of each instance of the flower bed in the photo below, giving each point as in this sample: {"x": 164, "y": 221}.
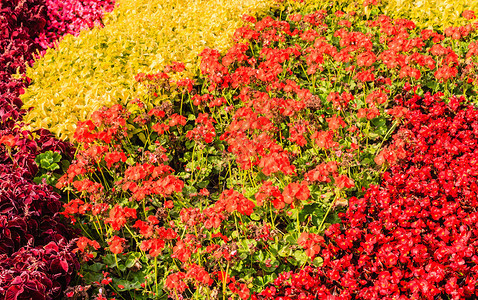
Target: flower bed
{"x": 223, "y": 185}
{"x": 139, "y": 36}
{"x": 35, "y": 249}
{"x": 326, "y": 154}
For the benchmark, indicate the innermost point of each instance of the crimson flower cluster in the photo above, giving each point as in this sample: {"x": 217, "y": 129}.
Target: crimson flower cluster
{"x": 414, "y": 236}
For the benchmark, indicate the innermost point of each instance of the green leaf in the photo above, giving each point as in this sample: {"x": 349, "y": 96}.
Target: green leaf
{"x": 142, "y": 137}
{"x": 285, "y": 251}
{"x": 96, "y": 267}
{"x": 301, "y": 256}
{"x": 255, "y": 217}
{"x": 56, "y": 157}
{"x": 318, "y": 261}
{"x": 130, "y": 161}
{"x": 121, "y": 267}
{"x": 54, "y": 167}
{"x": 109, "y": 259}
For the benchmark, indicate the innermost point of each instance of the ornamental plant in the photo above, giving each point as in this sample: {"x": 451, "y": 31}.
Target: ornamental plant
{"x": 36, "y": 259}
{"x": 211, "y": 186}
{"x": 29, "y": 27}
{"x": 139, "y": 36}
{"x": 426, "y": 14}
{"x": 412, "y": 237}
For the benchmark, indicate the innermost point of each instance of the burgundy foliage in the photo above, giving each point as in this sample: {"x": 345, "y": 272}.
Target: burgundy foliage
{"x": 71, "y": 16}
{"x": 415, "y": 235}
{"x": 36, "y": 260}
{"x": 21, "y": 22}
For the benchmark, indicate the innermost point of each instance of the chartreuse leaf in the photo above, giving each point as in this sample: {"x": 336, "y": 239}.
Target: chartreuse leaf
{"x": 97, "y": 68}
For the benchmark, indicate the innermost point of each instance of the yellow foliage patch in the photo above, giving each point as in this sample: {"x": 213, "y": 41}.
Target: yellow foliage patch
{"x": 97, "y": 68}
{"x": 437, "y": 14}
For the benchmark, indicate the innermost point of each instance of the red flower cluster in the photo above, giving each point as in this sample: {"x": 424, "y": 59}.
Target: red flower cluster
{"x": 204, "y": 131}
{"x": 232, "y": 201}
{"x": 311, "y": 242}
{"x": 412, "y": 237}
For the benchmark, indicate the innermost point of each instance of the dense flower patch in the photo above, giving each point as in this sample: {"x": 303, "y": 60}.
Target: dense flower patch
{"x": 22, "y": 22}
{"x": 36, "y": 261}
{"x": 414, "y": 236}
{"x": 31, "y": 26}
{"x": 70, "y": 17}
{"x": 223, "y": 184}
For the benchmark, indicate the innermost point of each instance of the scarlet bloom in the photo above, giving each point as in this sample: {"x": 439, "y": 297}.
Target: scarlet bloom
{"x": 181, "y": 251}
{"x": 294, "y": 191}
{"x": 376, "y": 97}
{"x": 231, "y": 201}
{"x": 83, "y": 243}
{"x": 468, "y": 14}
{"x": 397, "y": 111}
{"x": 154, "y": 246}
{"x": 243, "y": 291}
{"x": 145, "y": 229}
{"x": 157, "y": 113}
{"x": 8, "y": 140}
{"x": 365, "y": 76}
{"x": 116, "y": 244}
{"x": 169, "y": 204}
{"x": 199, "y": 274}
{"x": 117, "y": 217}
{"x": 311, "y": 242}
{"x": 177, "y": 119}
{"x": 335, "y": 122}
{"x": 114, "y": 157}
{"x": 366, "y": 59}
{"x": 175, "y": 282}
{"x": 342, "y": 181}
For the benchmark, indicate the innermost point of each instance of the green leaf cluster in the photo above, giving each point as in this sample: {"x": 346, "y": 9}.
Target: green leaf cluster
{"x": 48, "y": 163}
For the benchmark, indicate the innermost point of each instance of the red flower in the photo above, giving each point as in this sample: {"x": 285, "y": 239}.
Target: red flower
{"x": 468, "y": 14}
{"x": 176, "y": 119}
{"x": 157, "y": 113}
{"x": 365, "y": 76}
{"x": 335, "y": 122}
{"x": 296, "y": 191}
{"x": 366, "y": 59}
{"x": 311, "y": 242}
{"x": 116, "y": 244}
{"x": 342, "y": 181}
{"x": 83, "y": 242}
{"x": 199, "y": 274}
{"x": 376, "y": 97}
{"x": 231, "y": 201}
{"x": 175, "y": 282}
{"x": 114, "y": 157}
{"x": 83, "y": 132}
{"x": 7, "y": 140}
{"x": 117, "y": 218}
{"x": 169, "y": 204}
{"x": 154, "y": 246}
{"x": 145, "y": 229}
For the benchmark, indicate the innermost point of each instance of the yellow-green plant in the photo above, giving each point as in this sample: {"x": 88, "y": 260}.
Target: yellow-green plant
{"x": 437, "y": 14}
{"x": 97, "y": 68}
{"x": 431, "y": 13}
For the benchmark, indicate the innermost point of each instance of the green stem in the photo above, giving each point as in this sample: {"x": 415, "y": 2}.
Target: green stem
{"x": 328, "y": 211}
{"x": 156, "y": 273}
